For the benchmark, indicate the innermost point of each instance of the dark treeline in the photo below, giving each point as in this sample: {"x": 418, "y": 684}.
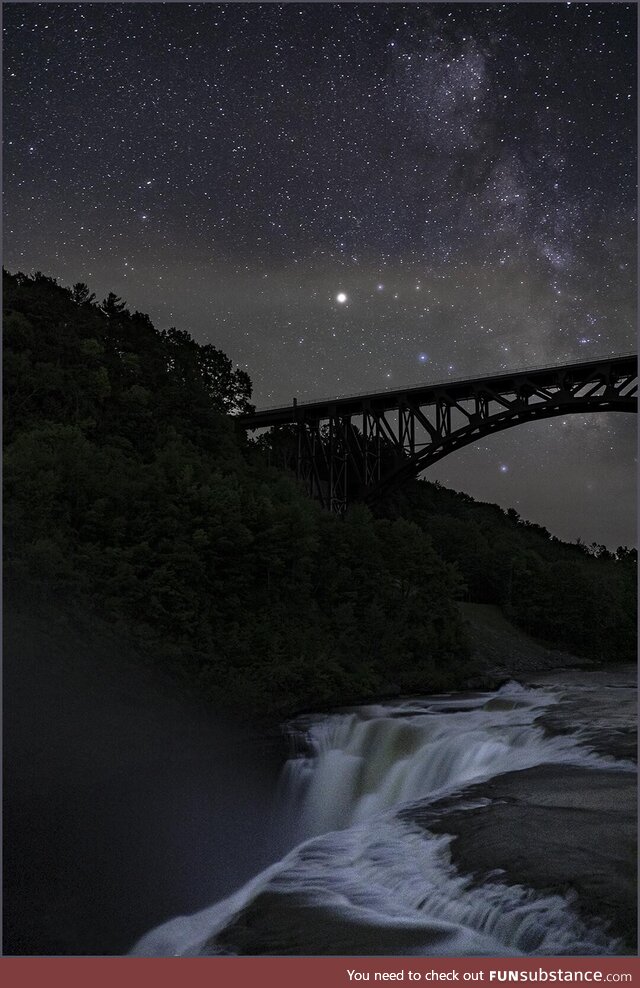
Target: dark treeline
{"x": 131, "y": 495}
{"x": 571, "y": 596}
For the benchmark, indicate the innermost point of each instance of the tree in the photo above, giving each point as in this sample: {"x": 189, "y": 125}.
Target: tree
{"x": 229, "y": 389}
{"x": 81, "y": 295}
{"x": 626, "y": 555}
{"x": 113, "y": 306}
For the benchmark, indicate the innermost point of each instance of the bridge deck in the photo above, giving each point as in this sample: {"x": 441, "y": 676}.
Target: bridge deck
{"x": 461, "y": 389}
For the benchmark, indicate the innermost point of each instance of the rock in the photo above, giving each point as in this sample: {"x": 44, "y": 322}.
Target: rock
{"x": 554, "y": 828}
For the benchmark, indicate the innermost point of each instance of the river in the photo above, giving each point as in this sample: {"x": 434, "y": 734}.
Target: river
{"x": 479, "y": 824}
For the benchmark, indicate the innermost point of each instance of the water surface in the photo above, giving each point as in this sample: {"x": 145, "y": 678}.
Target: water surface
{"x": 460, "y": 825}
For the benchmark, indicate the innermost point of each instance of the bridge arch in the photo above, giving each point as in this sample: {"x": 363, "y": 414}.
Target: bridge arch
{"x": 414, "y": 465}
{"x": 358, "y": 447}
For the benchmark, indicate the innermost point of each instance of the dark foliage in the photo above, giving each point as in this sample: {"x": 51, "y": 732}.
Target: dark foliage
{"x": 130, "y": 492}
{"x": 577, "y": 598}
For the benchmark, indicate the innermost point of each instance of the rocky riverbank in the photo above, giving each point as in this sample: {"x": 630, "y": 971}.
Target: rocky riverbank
{"x": 501, "y": 651}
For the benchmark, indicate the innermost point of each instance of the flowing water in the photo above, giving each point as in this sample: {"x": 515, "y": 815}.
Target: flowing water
{"x": 374, "y": 799}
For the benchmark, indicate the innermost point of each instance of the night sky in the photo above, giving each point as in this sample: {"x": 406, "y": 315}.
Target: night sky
{"x": 346, "y": 197}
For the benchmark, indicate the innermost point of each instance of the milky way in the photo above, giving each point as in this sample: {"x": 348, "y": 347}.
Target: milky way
{"x": 351, "y": 196}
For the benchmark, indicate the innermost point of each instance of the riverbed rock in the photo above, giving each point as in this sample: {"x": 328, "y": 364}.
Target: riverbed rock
{"x": 553, "y": 828}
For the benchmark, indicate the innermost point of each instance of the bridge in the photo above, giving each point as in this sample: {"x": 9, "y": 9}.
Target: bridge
{"x": 357, "y": 447}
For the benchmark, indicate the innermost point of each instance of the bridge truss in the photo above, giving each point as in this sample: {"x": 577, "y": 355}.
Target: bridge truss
{"x": 357, "y": 448}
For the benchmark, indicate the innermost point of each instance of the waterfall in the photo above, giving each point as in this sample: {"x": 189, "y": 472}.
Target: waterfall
{"x": 363, "y": 878}
{"x": 360, "y": 764}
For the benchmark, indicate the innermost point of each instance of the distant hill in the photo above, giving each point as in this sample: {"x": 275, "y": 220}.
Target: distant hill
{"x": 570, "y": 596}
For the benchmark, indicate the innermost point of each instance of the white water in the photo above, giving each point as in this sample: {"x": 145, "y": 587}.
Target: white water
{"x": 363, "y": 881}
{"x": 378, "y": 758}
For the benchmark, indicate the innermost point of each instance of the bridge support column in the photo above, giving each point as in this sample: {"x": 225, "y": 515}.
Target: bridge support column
{"x": 338, "y": 464}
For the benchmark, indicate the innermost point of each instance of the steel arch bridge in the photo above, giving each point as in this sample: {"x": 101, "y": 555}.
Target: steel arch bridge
{"x": 358, "y": 447}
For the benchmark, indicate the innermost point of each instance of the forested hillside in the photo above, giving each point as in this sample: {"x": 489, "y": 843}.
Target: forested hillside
{"x": 572, "y": 596}
{"x": 131, "y": 494}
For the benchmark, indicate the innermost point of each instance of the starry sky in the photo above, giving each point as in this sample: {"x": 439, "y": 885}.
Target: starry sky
{"x": 348, "y": 197}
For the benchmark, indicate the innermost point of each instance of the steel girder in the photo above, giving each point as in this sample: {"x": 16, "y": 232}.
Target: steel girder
{"x": 357, "y": 448}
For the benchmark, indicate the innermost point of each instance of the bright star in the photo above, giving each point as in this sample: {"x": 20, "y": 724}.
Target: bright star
{"x": 341, "y": 298}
